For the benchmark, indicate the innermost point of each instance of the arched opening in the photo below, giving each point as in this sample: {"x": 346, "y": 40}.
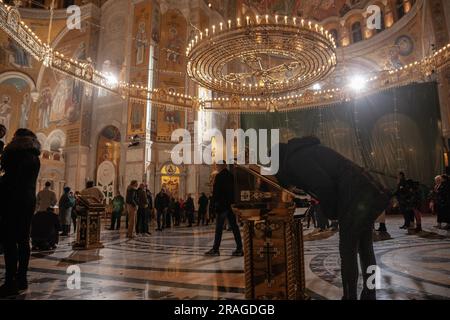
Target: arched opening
{"x": 16, "y": 92}
{"x": 400, "y": 9}
{"x": 108, "y": 160}
{"x": 357, "y": 35}
{"x": 335, "y": 35}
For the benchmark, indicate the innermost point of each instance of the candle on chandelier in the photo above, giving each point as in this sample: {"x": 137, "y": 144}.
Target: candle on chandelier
{"x": 248, "y": 20}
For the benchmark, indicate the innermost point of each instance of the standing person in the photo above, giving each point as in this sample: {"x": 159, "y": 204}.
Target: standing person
{"x": 182, "y": 211}
{"x": 74, "y": 213}
{"x": 440, "y": 202}
{"x": 20, "y": 164}
{"x": 46, "y": 198}
{"x": 132, "y": 207}
{"x": 347, "y": 193}
{"x": 189, "y": 208}
{"x": 404, "y": 200}
{"x": 202, "y": 209}
{"x": 161, "y": 204}
{"x": 148, "y": 212}
{"x": 141, "y": 228}
{"x": 223, "y": 197}
{"x": 66, "y": 203}
{"x": 416, "y": 203}
{"x": 211, "y": 210}
{"x": 118, "y": 204}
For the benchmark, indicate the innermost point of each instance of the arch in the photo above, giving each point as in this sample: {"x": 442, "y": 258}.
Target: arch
{"x": 55, "y": 141}
{"x": 356, "y": 30}
{"x": 14, "y": 74}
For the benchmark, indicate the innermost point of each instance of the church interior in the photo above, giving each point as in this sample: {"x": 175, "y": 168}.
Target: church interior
{"x": 111, "y": 87}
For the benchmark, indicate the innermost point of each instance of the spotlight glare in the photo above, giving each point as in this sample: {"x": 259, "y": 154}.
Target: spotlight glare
{"x": 357, "y": 83}
{"x": 317, "y": 87}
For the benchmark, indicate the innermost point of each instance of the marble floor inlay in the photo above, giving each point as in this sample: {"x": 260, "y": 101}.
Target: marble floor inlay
{"x": 171, "y": 265}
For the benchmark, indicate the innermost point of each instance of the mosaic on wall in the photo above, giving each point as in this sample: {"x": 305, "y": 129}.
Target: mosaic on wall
{"x": 173, "y": 41}
{"x": 142, "y": 35}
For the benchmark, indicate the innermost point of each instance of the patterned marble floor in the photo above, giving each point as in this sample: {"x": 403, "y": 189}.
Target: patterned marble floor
{"x": 171, "y": 265}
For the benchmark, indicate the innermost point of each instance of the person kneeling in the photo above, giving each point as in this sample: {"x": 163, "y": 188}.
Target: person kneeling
{"x": 45, "y": 229}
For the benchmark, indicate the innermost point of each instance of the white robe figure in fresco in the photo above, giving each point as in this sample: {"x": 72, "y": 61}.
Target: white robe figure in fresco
{"x": 5, "y": 111}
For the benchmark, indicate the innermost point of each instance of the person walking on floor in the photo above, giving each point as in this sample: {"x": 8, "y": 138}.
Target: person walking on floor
{"x": 66, "y": 204}
{"x": 46, "y": 198}
{"x": 141, "y": 226}
{"x": 132, "y": 207}
{"x": 20, "y": 164}
{"x": 118, "y": 204}
{"x": 202, "y": 209}
{"x": 223, "y": 197}
{"x": 189, "y": 209}
{"x": 161, "y": 205}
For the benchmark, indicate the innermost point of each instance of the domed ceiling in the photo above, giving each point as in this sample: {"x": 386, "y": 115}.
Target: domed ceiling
{"x": 311, "y": 9}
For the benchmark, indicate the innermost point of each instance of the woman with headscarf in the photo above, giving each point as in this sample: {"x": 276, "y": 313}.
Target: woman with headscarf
{"x": 66, "y": 203}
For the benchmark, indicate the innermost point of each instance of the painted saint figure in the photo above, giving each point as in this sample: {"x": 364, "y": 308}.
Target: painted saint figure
{"x": 25, "y": 111}
{"x": 5, "y": 111}
{"x": 141, "y": 43}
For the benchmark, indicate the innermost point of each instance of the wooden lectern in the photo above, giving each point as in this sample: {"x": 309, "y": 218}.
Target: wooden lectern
{"x": 88, "y": 223}
{"x": 273, "y": 239}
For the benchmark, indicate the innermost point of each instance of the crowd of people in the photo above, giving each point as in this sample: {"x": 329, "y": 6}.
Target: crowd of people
{"x": 25, "y": 213}
{"x": 169, "y": 211}
{"x": 411, "y": 199}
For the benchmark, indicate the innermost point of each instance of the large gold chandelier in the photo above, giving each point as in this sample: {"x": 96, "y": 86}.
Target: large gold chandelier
{"x": 261, "y": 55}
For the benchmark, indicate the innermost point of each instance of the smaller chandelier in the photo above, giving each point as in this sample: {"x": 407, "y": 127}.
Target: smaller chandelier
{"x": 266, "y": 55}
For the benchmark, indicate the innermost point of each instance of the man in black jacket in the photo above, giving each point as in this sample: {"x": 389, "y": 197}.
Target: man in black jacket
{"x": 202, "y": 209}
{"x": 347, "y": 193}
{"x": 161, "y": 205}
{"x": 223, "y": 197}
{"x": 20, "y": 163}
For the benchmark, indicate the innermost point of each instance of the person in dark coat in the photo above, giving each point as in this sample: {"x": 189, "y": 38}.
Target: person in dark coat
{"x": 223, "y": 197}
{"x": 347, "y": 193}
{"x": 189, "y": 208}
{"x": 404, "y": 198}
{"x": 176, "y": 211}
{"x": 211, "y": 210}
{"x": 202, "y": 209}
{"x": 20, "y": 164}
{"x": 161, "y": 205}
{"x": 148, "y": 212}
{"x": 441, "y": 201}
{"x": 66, "y": 204}
{"x": 45, "y": 227}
